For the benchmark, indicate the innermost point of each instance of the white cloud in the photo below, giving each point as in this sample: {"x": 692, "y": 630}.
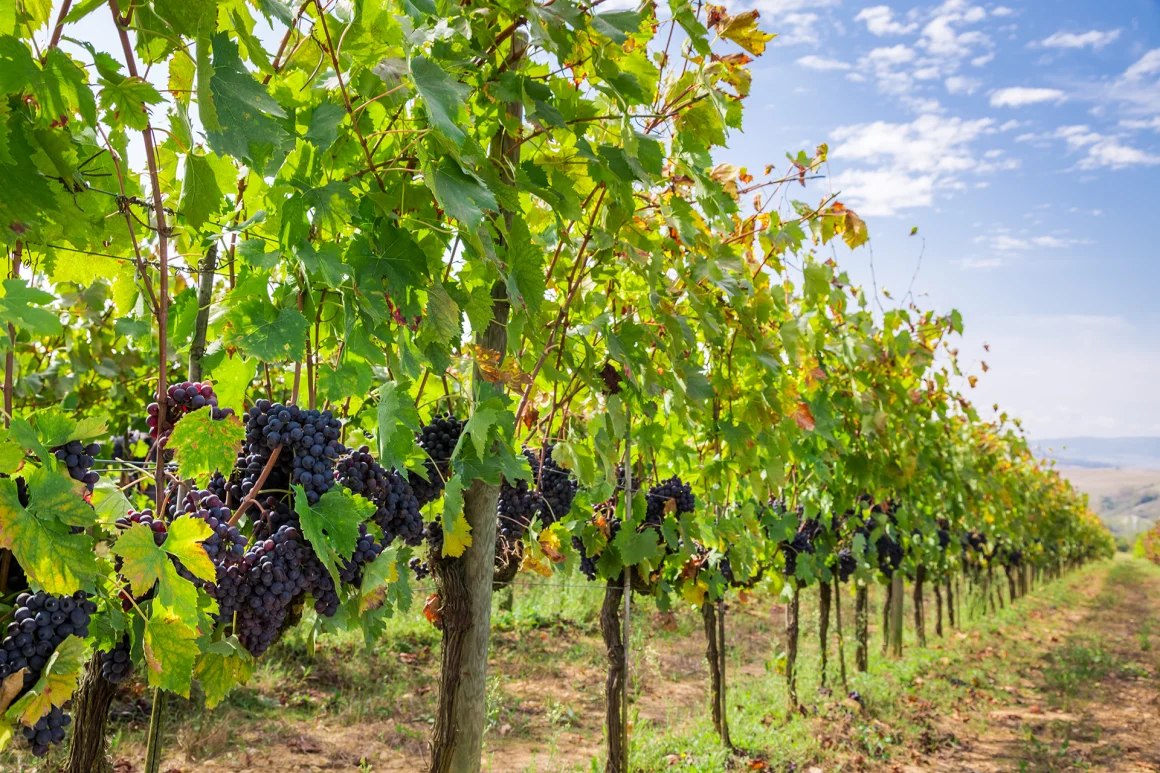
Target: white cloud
{"x": 1091, "y": 39}
{"x": 812, "y": 62}
{"x": 1009, "y": 125}
{"x": 1113, "y": 154}
{"x": 1101, "y": 151}
{"x": 1018, "y": 96}
{"x": 940, "y": 36}
{"x": 1001, "y": 10}
{"x": 1148, "y": 64}
{"x": 1052, "y": 370}
{"x": 930, "y": 155}
{"x": 979, "y": 61}
{"x": 1006, "y": 243}
{"x": 898, "y": 54}
{"x": 882, "y": 192}
{"x": 959, "y": 84}
{"x": 880, "y": 21}
{"x": 801, "y": 30}
{"x": 1136, "y": 124}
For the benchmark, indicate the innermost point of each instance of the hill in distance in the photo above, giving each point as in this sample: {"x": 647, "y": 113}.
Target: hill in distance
{"x": 1121, "y": 477}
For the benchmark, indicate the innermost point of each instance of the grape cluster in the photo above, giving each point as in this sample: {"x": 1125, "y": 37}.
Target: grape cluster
{"x": 181, "y": 399}
{"x": 117, "y": 664}
{"x": 658, "y": 500}
{"x": 39, "y": 624}
{"x": 397, "y": 508}
{"x": 517, "y": 506}
{"x": 312, "y": 437}
{"x": 255, "y": 594}
{"x": 556, "y": 485}
{"x": 438, "y": 439}
{"x": 48, "y": 731}
{"x": 434, "y": 537}
{"x": 78, "y": 458}
{"x": 801, "y": 542}
{"x": 727, "y": 570}
{"x": 365, "y": 551}
{"x": 587, "y": 562}
{"x": 847, "y": 564}
{"x": 159, "y": 528}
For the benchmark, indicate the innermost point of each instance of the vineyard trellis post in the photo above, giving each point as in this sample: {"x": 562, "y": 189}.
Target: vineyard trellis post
{"x": 862, "y": 627}
{"x": 897, "y": 604}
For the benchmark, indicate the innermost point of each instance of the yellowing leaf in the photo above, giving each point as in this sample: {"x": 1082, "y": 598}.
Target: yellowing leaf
{"x": 49, "y": 553}
{"x": 535, "y": 564}
{"x": 224, "y": 665}
{"x": 202, "y": 445}
{"x": 742, "y": 29}
{"x": 170, "y": 652}
{"x": 57, "y": 682}
{"x": 456, "y": 529}
{"x": 694, "y": 592}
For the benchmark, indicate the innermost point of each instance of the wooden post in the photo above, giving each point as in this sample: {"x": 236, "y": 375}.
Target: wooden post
{"x": 862, "y": 628}
{"x": 898, "y": 602}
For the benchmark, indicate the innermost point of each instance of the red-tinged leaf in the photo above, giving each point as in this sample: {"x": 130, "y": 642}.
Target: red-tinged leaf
{"x": 804, "y": 417}
{"x": 433, "y": 610}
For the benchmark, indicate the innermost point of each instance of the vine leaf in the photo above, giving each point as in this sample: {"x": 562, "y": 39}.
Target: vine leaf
{"x": 478, "y": 427}
{"x": 398, "y": 422}
{"x": 20, "y": 307}
{"x": 331, "y": 526}
{"x": 53, "y": 558}
{"x": 170, "y": 651}
{"x": 443, "y": 96}
{"x": 385, "y": 582}
{"x": 200, "y": 194}
{"x": 461, "y": 195}
{"x": 224, "y": 665}
{"x": 202, "y": 445}
{"x": 456, "y": 529}
{"x": 742, "y": 29}
{"x": 267, "y": 333}
{"x": 231, "y": 379}
{"x": 244, "y": 111}
{"x": 145, "y": 564}
{"x": 11, "y": 454}
{"x": 109, "y": 502}
{"x": 57, "y": 682}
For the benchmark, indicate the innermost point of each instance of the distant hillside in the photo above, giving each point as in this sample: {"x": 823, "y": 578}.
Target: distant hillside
{"x": 1128, "y": 500}
{"x": 1128, "y": 452}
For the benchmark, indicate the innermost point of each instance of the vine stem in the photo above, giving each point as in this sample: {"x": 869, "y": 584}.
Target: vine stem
{"x": 10, "y": 355}
{"x": 162, "y": 243}
{"x": 252, "y": 496}
{"x": 153, "y": 746}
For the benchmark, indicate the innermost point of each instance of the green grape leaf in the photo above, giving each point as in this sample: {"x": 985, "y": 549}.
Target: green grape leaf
{"x": 19, "y": 307}
{"x": 109, "y": 502}
{"x": 398, "y": 422}
{"x": 525, "y": 260}
{"x": 126, "y": 102}
{"x": 54, "y": 494}
{"x": 265, "y": 332}
{"x": 350, "y": 379}
{"x": 145, "y": 564}
{"x": 52, "y": 557}
{"x": 331, "y": 525}
{"x": 456, "y": 529}
{"x": 11, "y": 454}
{"x": 478, "y": 427}
{"x": 617, "y": 25}
{"x": 224, "y": 665}
{"x": 204, "y": 83}
{"x": 203, "y": 445}
{"x": 232, "y": 378}
{"x": 637, "y": 546}
{"x": 385, "y": 582}
{"x": 245, "y": 112}
{"x": 442, "y": 314}
{"x": 460, "y": 195}
{"x": 323, "y": 128}
{"x": 200, "y": 195}
{"x": 66, "y": 89}
{"x": 57, "y": 682}
{"x": 443, "y": 96}
{"x": 171, "y": 651}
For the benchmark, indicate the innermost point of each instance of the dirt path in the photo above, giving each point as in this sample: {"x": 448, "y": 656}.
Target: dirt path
{"x": 1083, "y": 691}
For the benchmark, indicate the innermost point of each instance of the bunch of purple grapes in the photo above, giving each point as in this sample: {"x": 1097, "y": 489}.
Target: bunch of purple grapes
{"x": 40, "y": 622}
{"x": 117, "y": 664}
{"x": 366, "y": 550}
{"x": 226, "y": 543}
{"x": 181, "y": 399}
{"x": 438, "y": 439}
{"x": 659, "y": 496}
{"x": 78, "y": 458}
{"x": 556, "y": 485}
{"x": 397, "y": 508}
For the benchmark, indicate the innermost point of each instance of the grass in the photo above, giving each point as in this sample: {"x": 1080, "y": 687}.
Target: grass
{"x": 545, "y": 687}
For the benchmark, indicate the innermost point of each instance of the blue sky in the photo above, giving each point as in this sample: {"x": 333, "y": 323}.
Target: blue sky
{"x": 1024, "y": 142}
